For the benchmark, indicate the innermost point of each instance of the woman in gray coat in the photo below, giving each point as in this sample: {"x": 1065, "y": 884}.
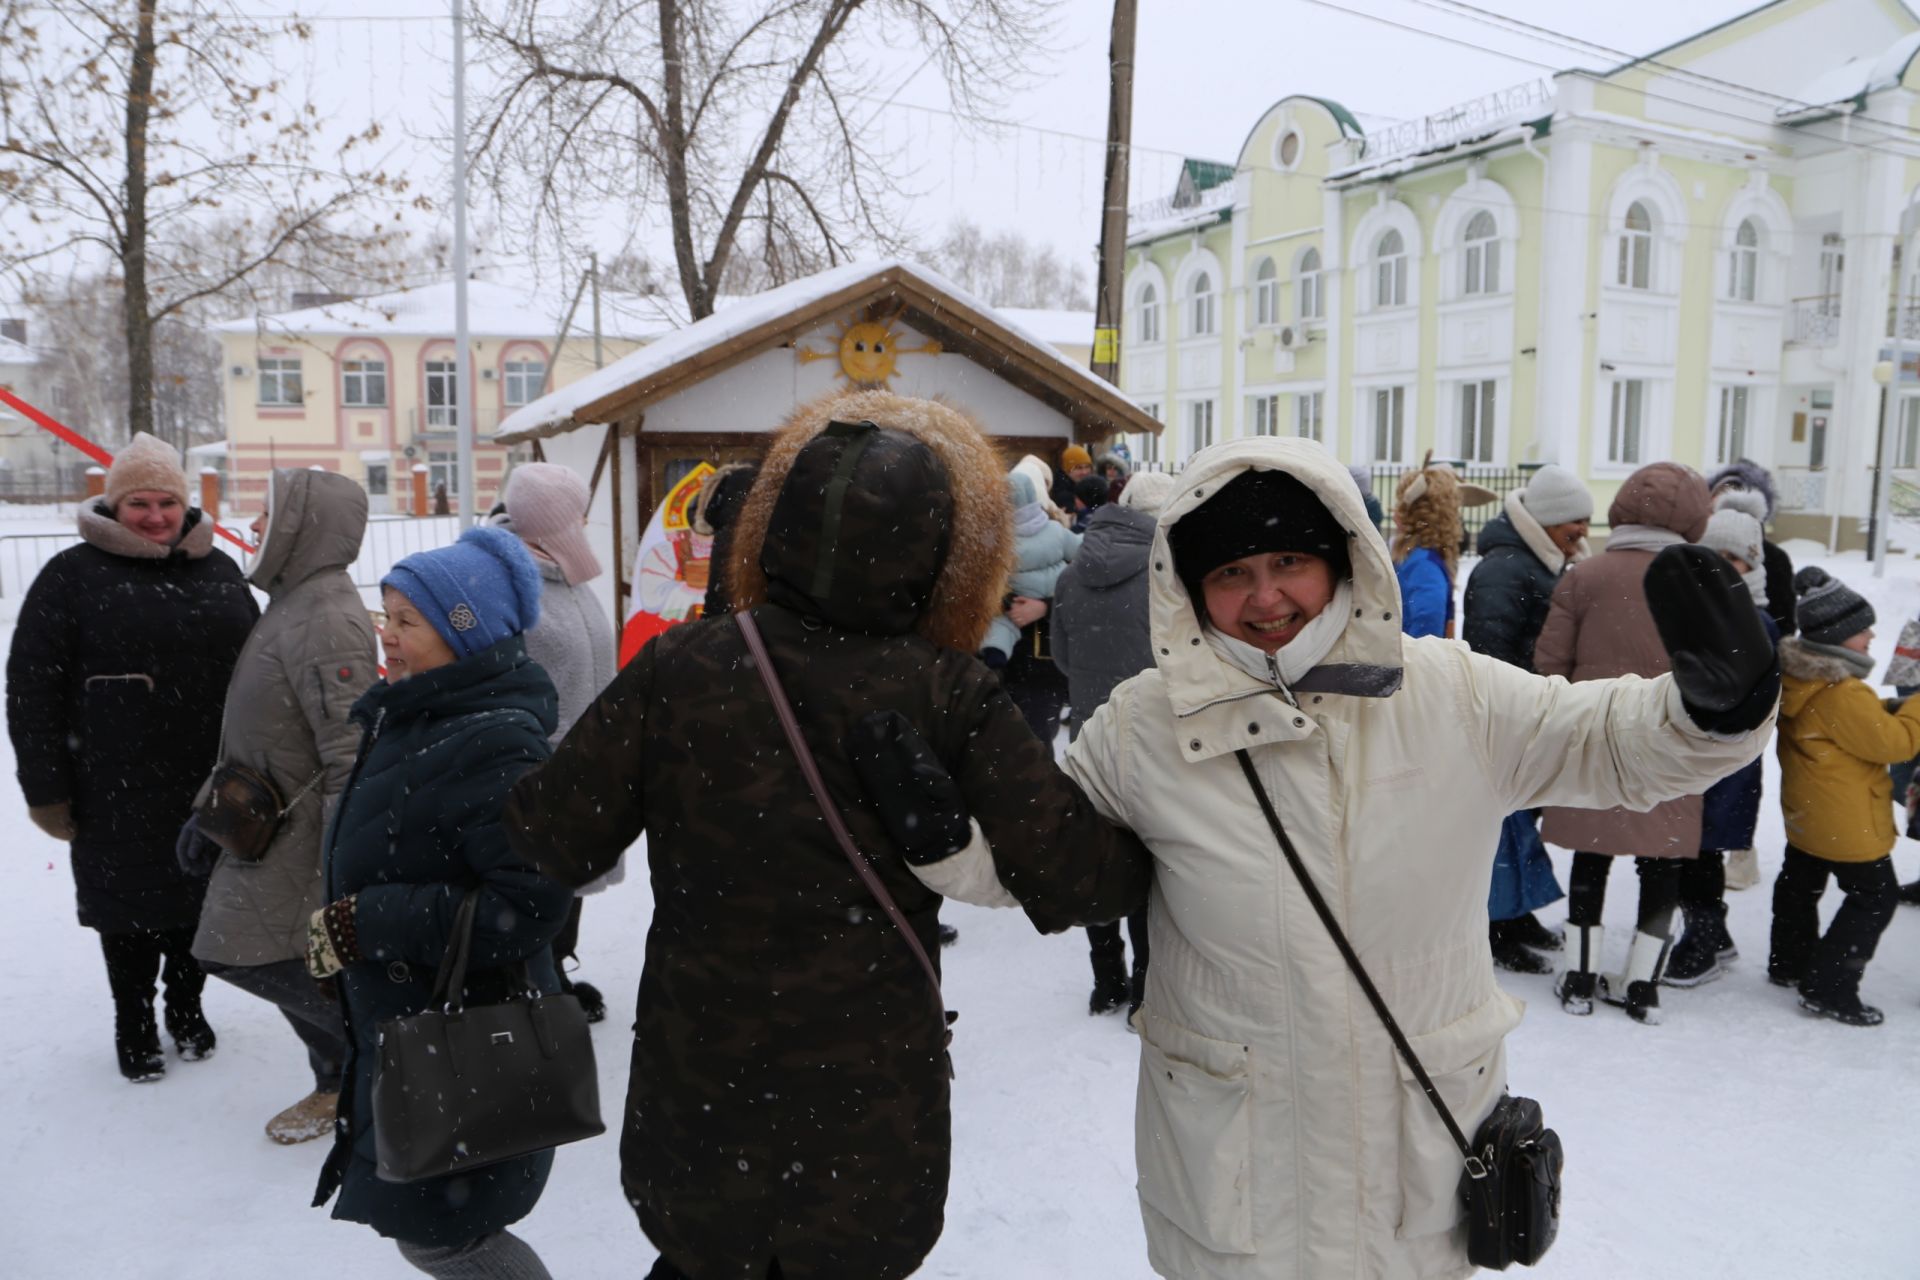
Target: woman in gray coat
{"x": 303, "y": 666}
{"x": 546, "y": 507}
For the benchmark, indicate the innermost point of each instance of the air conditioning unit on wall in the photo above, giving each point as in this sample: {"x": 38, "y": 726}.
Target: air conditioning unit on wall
{"x": 1291, "y": 337}
{"x": 241, "y": 371}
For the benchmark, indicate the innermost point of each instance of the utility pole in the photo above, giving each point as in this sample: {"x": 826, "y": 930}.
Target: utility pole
{"x": 1108, "y": 302}
{"x": 465, "y": 415}
{"x": 599, "y": 361}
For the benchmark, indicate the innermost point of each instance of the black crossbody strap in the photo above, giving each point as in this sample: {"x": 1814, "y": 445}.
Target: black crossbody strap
{"x": 1359, "y": 971}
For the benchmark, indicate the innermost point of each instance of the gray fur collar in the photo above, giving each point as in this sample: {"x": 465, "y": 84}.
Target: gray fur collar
{"x": 100, "y": 529}
{"x": 1809, "y": 660}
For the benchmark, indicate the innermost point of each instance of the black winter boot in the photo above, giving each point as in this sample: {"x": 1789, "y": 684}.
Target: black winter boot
{"x": 1910, "y": 894}
{"x": 1704, "y": 947}
{"x": 1510, "y": 953}
{"x": 1638, "y": 989}
{"x": 193, "y": 1039}
{"x": 1576, "y": 986}
{"x": 137, "y": 1041}
{"x": 948, "y": 935}
{"x": 592, "y": 1003}
{"x": 1847, "y": 1009}
{"x": 1111, "y": 987}
{"x": 1528, "y": 930}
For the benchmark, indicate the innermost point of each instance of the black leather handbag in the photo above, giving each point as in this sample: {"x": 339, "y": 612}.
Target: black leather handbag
{"x": 458, "y": 1087}
{"x": 1511, "y": 1183}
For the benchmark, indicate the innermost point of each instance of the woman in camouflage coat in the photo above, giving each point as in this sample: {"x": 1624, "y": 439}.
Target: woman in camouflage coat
{"x": 788, "y": 1108}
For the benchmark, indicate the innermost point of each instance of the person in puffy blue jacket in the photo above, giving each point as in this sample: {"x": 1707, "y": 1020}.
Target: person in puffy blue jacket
{"x": 1426, "y": 544}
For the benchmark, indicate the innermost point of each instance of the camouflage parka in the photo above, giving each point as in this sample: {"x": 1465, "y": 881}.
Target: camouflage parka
{"x": 789, "y": 1098}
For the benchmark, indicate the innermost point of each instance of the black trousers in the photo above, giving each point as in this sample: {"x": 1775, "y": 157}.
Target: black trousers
{"x": 1828, "y": 968}
{"x": 1659, "y": 891}
{"x": 318, "y": 1021}
{"x": 566, "y": 942}
{"x": 1105, "y": 948}
{"x": 135, "y": 960}
{"x": 1036, "y": 684}
{"x": 1703, "y": 880}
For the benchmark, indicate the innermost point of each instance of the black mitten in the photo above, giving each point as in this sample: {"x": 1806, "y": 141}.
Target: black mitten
{"x": 1728, "y": 674}
{"x": 923, "y": 810}
{"x": 194, "y": 852}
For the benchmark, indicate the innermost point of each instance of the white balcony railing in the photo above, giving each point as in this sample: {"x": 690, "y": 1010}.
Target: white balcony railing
{"x": 1816, "y": 321}
{"x": 1800, "y": 488}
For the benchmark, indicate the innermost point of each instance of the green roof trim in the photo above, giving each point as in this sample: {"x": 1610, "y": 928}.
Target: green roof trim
{"x": 1207, "y": 174}
{"x": 1341, "y": 116}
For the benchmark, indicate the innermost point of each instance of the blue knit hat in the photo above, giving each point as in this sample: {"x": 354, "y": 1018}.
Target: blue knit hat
{"x": 476, "y": 593}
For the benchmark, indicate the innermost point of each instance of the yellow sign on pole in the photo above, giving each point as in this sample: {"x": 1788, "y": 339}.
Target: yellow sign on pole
{"x": 1106, "y": 346}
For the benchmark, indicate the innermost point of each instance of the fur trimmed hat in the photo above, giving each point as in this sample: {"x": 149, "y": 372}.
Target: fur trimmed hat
{"x": 147, "y": 463}
{"x": 978, "y": 558}
{"x": 476, "y": 593}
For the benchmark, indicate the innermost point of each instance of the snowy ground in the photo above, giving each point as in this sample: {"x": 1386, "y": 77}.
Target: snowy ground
{"x": 1740, "y": 1139}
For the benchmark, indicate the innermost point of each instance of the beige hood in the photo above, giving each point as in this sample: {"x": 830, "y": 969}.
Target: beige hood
{"x": 1365, "y": 662}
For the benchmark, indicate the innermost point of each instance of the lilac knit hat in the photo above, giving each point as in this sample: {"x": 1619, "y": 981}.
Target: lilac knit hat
{"x": 546, "y": 505}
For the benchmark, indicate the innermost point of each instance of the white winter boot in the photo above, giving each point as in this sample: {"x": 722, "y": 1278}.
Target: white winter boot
{"x": 1575, "y": 985}
{"x": 1638, "y": 989}
{"x": 1743, "y": 868}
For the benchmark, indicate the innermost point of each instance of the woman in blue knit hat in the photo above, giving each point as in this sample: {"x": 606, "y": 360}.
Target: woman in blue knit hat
{"x": 461, "y": 715}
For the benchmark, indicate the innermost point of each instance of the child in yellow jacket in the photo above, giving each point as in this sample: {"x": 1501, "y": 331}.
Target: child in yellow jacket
{"x": 1836, "y": 740}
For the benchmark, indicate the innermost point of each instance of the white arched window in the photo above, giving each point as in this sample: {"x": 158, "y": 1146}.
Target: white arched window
{"x": 1200, "y": 306}
{"x": 1635, "y": 270}
{"x": 1147, "y": 324}
{"x": 1266, "y": 293}
{"x": 1743, "y": 264}
{"x": 1308, "y": 304}
{"x": 1390, "y": 270}
{"x": 1481, "y": 255}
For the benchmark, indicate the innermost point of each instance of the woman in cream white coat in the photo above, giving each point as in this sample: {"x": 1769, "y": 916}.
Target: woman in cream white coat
{"x": 1277, "y": 1132}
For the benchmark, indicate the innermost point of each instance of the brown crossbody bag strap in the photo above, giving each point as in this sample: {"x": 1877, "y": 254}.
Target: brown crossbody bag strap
{"x": 831, "y": 812}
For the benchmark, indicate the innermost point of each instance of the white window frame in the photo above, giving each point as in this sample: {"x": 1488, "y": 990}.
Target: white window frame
{"x": 1310, "y": 415}
{"x": 1733, "y": 422}
{"x": 1146, "y": 444}
{"x": 1833, "y": 272}
{"x": 1387, "y": 420}
{"x": 1743, "y": 263}
{"x": 1309, "y": 299}
{"x": 1480, "y": 256}
{"x": 522, "y": 381}
{"x": 1266, "y": 294}
{"x": 1477, "y": 406}
{"x": 278, "y": 383}
{"x": 1635, "y": 266}
{"x": 1389, "y": 270}
{"x": 1148, "y": 311}
{"x": 1906, "y": 435}
{"x": 1263, "y": 413}
{"x": 1202, "y": 306}
{"x": 359, "y": 376}
{"x": 1199, "y": 425}
{"x": 1627, "y": 422}
{"x": 444, "y": 416}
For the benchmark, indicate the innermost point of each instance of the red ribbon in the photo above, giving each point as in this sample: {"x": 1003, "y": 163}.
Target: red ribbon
{"x": 68, "y": 435}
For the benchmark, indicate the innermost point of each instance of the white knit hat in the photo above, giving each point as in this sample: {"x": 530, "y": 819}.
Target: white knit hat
{"x": 547, "y": 505}
{"x": 1732, "y": 531}
{"x": 1556, "y": 496}
{"x": 147, "y": 463}
{"x": 1147, "y": 492}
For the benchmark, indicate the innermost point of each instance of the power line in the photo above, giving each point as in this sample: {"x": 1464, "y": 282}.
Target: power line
{"x": 1548, "y": 66}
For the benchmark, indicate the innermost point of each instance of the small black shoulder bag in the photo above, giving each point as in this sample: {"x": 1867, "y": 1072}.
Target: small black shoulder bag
{"x": 1511, "y": 1184}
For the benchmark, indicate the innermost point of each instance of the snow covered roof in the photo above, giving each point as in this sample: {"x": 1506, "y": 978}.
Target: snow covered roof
{"x": 995, "y": 339}
{"x": 493, "y": 311}
{"x": 1855, "y": 78}
{"x": 1161, "y": 218}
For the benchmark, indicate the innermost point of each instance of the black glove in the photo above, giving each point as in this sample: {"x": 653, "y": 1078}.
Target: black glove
{"x": 917, "y": 799}
{"x": 1728, "y": 674}
{"x": 194, "y": 852}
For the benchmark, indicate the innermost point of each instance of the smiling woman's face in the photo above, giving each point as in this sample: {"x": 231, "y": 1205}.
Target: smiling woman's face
{"x": 1265, "y": 600}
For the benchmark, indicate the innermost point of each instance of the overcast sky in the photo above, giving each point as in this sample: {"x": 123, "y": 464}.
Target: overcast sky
{"x": 1206, "y": 70}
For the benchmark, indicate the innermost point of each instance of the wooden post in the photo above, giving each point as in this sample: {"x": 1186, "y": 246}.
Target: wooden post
{"x": 419, "y": 494}
{"x": 210, "y": 492}
{"x": 1108, "y": 302}
{"x": 96, "y": 481}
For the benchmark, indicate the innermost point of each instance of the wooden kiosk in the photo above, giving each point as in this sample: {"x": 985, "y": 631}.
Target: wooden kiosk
{"x": 710, "y": 393}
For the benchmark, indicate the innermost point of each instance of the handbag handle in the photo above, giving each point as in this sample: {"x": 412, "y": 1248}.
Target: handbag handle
{"x": 450, "y": 980}
{"x": 1475, "y": 1168}
{"x": 822, "y": 797}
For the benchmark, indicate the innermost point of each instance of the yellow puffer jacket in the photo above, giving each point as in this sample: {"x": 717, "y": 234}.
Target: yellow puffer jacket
{"x": 1836, "y": 741}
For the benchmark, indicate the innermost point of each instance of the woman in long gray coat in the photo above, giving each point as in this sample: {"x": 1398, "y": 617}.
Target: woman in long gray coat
{"x": 546, "y": 507}
{"x": 287, "y": 711}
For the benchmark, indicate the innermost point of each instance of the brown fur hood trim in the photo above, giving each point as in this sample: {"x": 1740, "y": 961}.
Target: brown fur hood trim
{"x": 99, "y": 528}
{"x": 1803, "y": 663}
{"x": 966, "y": 598}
